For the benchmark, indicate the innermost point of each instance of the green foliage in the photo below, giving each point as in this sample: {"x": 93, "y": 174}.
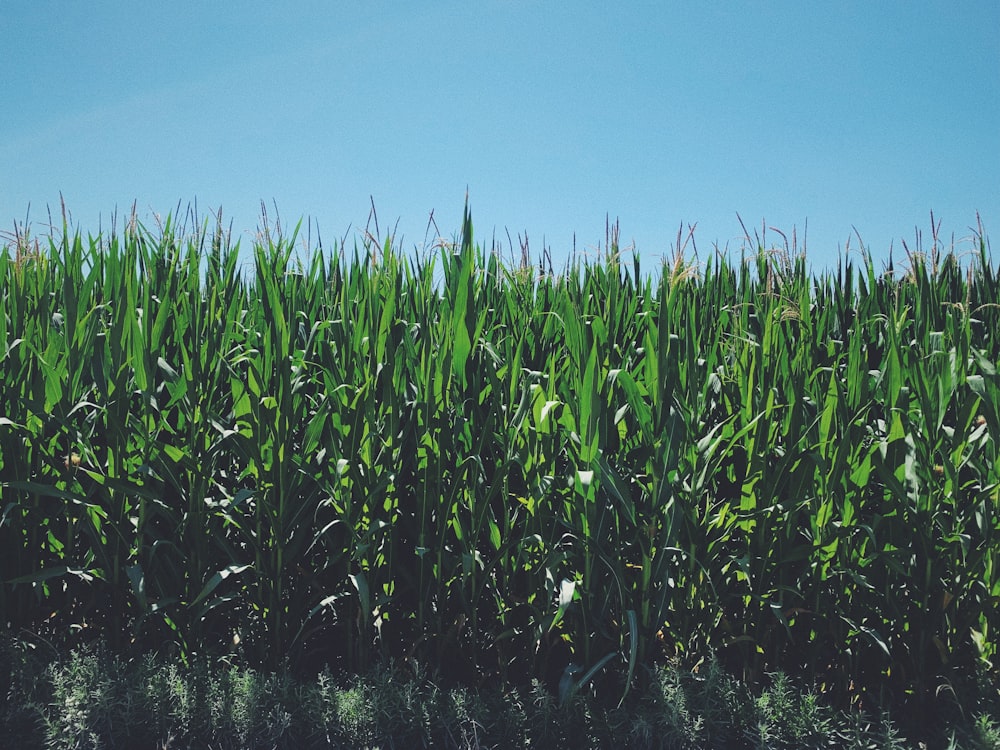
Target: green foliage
{"x": 91, "y": 699}
{"x": 499, "y": 473}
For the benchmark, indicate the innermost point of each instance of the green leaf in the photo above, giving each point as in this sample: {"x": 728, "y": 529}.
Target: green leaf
{"x": 218, "y": 577}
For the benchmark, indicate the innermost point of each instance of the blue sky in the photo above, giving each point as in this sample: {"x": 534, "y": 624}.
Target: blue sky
{"x": 552, "y": 114}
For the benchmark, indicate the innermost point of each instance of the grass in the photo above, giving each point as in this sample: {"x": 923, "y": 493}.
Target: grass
{"x": 92, "y": 699}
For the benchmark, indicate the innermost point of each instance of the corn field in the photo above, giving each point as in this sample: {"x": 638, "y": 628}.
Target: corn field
{"x": 498, "y": 471}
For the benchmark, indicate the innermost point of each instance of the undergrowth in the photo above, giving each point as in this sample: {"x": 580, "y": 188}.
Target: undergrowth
{"x": 90, "y": 699}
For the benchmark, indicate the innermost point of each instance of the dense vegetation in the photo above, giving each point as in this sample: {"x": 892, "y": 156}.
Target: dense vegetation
{"x": 88, "y": 699}
{"x": 501, "y": 473}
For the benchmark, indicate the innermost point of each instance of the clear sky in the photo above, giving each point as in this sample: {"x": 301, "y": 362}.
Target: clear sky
{"x": 552, "y": 114}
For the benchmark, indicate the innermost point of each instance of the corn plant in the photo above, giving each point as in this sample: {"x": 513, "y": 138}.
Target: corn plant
{"x": 498, "y": 470}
